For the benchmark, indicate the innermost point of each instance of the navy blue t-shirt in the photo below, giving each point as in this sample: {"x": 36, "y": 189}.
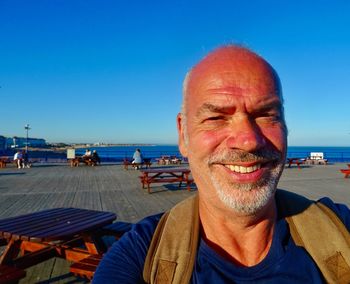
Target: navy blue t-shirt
{"x": 285, "y": 262}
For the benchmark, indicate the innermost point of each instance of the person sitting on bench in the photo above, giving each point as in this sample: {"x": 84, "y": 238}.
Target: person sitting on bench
{"x": 96, "y": 157}
{"x": 18, "y": 158}
{"x": 137, "y": 159}
{"x": 87, "y": 154}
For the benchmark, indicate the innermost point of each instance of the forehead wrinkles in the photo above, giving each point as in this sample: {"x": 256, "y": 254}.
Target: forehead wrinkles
{"x": 233, "y": 80}
{"x": 229, "y": 104}
{"x": 232, "y": 89}
{"x": 231, "y": 71}
{"x": 245, "y": 82}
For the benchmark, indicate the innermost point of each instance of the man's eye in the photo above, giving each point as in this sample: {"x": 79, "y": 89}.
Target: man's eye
{"x": 269, "y": 117}
{"x": 213, "y": 118}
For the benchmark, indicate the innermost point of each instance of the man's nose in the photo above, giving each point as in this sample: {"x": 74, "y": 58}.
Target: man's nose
{"x": 246, "y": 135}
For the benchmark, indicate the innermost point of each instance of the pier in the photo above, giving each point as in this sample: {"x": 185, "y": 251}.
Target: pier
{"x": 110, "y": 187}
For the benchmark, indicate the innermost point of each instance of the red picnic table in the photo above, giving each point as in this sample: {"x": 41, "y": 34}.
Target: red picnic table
{"x": 296, "y": 161}
{"x": 69, "y": 233}
{"x": 4, "y": 160}
{"x": 163, "y": 175}
{"x": 346, "y": 172}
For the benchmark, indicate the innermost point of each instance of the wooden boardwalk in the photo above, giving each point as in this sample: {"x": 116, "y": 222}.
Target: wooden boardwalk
{"x": 111, "y": 188}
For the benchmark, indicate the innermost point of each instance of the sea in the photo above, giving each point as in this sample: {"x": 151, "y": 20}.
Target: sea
{"x": 118, "y": 153}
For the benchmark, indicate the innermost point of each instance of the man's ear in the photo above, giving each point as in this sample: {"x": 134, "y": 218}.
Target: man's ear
{"x": 181, "y": 136}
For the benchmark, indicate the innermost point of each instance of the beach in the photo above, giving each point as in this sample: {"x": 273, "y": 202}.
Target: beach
{"x": 110, "y": 187}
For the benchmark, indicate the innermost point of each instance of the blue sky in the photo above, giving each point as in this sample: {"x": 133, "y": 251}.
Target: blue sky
{"x": 112, "y": 71}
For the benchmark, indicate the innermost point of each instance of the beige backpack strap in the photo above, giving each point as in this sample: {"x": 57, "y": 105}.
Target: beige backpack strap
{"x": 318, "y": 229}
{"x": 172, "y": 252}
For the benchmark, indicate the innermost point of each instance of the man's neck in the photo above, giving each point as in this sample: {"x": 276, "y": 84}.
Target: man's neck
{"x": 245, "y": 240}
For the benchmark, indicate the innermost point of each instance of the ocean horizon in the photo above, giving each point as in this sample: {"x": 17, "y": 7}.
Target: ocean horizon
{"x": 332, "y": 153}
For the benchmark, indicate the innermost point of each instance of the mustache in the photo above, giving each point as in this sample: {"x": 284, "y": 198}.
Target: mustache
{"x": 224, "y": 156}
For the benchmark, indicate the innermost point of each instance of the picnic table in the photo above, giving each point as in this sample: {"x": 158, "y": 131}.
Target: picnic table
{"x": 163, "y": 175}
{"x": 4, "y": 160}
{"x": 295, "y": 161}
{"x": 69, "y": 233}
{"x": 87, "y": 160}
{"x": 346, "y": 172}
{"x": 167, "y": 160}
{"x": 146, "y": 162}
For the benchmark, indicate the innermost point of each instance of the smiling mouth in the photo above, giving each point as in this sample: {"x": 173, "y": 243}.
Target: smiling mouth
{"x": 242, "y": 169}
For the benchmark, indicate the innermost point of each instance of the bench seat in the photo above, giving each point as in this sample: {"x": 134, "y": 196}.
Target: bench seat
{"x": 147, "y": 182}
{"x": 86, "y": 267}
{"x": 162, "y": 180}
{"x": 4, "y": 162}
{"x": 116, "y": 229}
{"x": 346, "y": 172}
{"x": 127, "y": 163}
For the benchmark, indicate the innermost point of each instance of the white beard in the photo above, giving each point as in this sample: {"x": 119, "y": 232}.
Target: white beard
{"x": 247, "y": 198}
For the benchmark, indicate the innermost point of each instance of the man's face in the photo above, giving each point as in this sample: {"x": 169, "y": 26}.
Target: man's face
{"x": 234, "y": 133}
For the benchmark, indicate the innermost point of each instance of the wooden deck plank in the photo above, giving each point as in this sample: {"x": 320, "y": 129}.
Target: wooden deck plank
{"x": 39, "y": 272}
{"x": 61, "y": 274}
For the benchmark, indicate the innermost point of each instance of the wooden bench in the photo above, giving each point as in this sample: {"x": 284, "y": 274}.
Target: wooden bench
{"x": 346, "y": 172}
{"x": 116, "y": 229}
{"x": 148, "y": 182}
{"x": 75, "y": 162}
{"x": 89, "y": 161}
{"x": 147, "y": 163}
{"x": 4, "y": 161}
{"x": 295, "y": 161}
{"x": 9, "y": 274}
{"x": 112, "y": 232}
{"x": 167, "y": 160}
{"x": 316, "y": 158}
{"x": 86, "y": 267}
{"x": 166, "y": 175}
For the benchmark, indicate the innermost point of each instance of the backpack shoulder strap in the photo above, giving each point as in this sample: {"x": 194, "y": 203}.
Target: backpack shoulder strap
{"x": 172, "y": 252}
{"x": 319, "y": 230}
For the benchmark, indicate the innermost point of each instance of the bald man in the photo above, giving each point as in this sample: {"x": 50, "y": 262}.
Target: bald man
{"x": 232, "y": 130}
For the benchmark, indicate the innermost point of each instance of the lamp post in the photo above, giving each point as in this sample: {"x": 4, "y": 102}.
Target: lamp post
{"x": 27, "y": 128}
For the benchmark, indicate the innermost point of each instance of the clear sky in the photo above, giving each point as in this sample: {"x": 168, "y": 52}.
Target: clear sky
{"x": 112, "y": 71}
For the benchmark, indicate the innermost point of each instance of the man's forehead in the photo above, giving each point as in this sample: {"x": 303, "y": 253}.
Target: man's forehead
{"x": 233, "y": 85}
{"x": 230, "y": 57}
{"x": 223, "y": 103}
{"x": 234, "y": 69}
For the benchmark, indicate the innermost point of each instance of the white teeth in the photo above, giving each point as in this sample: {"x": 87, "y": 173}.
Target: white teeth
{"x": 243, "y": 170}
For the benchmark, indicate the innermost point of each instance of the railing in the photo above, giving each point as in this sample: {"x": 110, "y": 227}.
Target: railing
{"x": 118, "y": 156}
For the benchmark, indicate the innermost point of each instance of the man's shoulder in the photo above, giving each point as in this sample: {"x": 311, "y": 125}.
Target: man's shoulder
{"x": 291, "y": 204}
{"x": 124, "y": 261}
{"x": 147, "y": 226}
{"x": 140, "y": 234}
{"x": 341, "y": 210}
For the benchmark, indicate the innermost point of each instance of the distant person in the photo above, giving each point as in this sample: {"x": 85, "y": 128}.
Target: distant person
{"x": 87, "y": 153}
{"x": 26, "y": 163}
{"x": 238, "y": 227}
{"x": 18, "y": 158}
{"x": 137, "y": 158}
{"x": 96, "y": 157}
